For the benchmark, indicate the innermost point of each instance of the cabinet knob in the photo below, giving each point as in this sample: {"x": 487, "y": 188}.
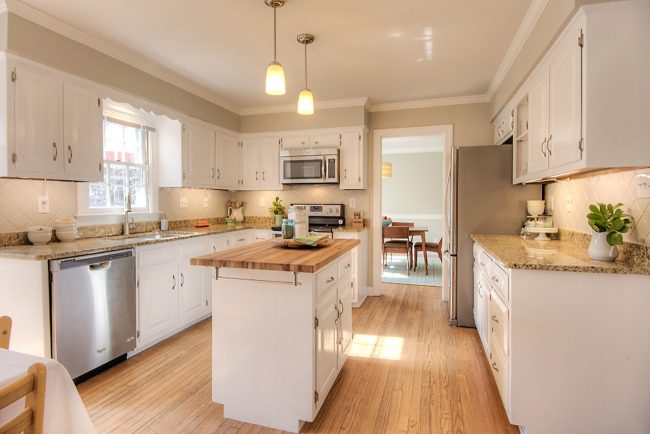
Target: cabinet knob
{"x": 494, "y": 366}
{"x": 330, "y": 280}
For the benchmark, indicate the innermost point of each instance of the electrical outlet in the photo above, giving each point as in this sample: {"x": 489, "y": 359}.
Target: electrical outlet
{"x": 569, "y": 204}
{"x": 183, "y": 202}
{"x": 261, "y": 201}
{"x": 44, "y": 204}
{"x": 206, "y": 202}
{"x": 353, "y": 203}
{"x": 642, "y": 179}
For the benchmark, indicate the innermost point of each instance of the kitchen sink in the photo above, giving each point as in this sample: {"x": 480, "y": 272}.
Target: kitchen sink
{"x": 152, "y": 236}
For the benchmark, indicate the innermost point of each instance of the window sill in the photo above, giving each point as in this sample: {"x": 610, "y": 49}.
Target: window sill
{"x": 116, "y": 218}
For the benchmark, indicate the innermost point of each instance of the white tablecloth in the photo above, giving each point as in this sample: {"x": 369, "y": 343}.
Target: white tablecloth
{"x": 64, "y": 411}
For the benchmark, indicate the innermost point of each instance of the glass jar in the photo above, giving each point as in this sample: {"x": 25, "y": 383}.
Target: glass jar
{"x": 287, "y": 229}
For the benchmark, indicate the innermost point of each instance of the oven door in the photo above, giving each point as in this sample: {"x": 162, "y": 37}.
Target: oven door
{"x": 308, "y": 169}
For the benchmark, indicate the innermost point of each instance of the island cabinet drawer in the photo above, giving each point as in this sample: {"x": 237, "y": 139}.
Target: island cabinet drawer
{"x": 498, "y": 313}
{"x": 500, "y": 280}
{"x": 327, "y": 276}
{"x": 345, "y": 264}
{"x": 484, "y": 262}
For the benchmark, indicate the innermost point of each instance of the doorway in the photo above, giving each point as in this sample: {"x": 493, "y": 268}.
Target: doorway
{"x": 408, "y": 185}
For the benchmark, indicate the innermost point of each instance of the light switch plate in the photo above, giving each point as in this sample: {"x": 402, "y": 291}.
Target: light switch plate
{"x": 206, "y": 202}
{"x": 183, "y": 202}
{"x": 569, "y": 204}
{"x": 261, "y": 202}
{"x": 643, "y": 184}
{"x": 44, "y": 204}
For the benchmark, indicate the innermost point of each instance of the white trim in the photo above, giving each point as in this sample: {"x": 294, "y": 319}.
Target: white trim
{"x": 413, "y": 216}
{"x": 375, "y": 205}
{"x": 432, "y": 102}
{"x": 319, "y": 105}
{"x": 307, "y": 132}
{"x": 121, "y": 53}
{"x": 527, "y": 25}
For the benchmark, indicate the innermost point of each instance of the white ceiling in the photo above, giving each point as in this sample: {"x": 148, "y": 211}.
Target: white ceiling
{"x": 412, "y": 144}
{"x": 382, "y": 49}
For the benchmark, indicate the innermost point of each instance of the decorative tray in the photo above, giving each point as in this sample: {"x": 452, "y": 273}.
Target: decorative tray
{"x": 293, "y": 244}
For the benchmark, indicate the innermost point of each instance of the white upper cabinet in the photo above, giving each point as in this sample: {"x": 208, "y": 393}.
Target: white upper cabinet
{"x": 83, "y": 133}
{"x": 353, "y": 167}
{"x": 38, "y": 124}
{"x": 199, "y": 154}
{"x": 260, "y": 163}
{"x": 579, "y": 118}
{"x": 325, "y": 139}
{"x": 295, "y": 142}
{"x": 503, "y": 125}
{"x": 227, "y": 162}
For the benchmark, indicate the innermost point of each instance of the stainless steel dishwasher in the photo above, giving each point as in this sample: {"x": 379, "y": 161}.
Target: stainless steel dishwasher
{"x": 93, "y": 309}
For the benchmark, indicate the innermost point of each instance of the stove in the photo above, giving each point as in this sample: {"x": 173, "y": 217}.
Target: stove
{"x": 325, "y": 217}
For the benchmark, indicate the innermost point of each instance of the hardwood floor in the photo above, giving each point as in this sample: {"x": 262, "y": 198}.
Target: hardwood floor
{"x": 411, "y": 373}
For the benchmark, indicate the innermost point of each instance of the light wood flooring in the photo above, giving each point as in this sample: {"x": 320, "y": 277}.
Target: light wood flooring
{"x": 396, "y": 271}
{"x": 412, "y": 374}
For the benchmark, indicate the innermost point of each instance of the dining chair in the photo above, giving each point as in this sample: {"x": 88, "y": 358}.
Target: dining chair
{"x": 428, "y": 247}
{"x": 5, "y": 331}
{"x": 31, "y": 386}
{"x": 407, "y": 224}
{"x": 396, "y": 240}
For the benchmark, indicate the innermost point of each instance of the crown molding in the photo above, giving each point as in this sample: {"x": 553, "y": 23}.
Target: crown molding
{"x": 527, "y": 25}
{"x": 114, "y": 50}
{"x": 432, "y": 102}
{"x": 321, "y": 105}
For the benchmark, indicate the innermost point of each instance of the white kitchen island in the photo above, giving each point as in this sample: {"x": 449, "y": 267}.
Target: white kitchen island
{"x": 281, "y": 329}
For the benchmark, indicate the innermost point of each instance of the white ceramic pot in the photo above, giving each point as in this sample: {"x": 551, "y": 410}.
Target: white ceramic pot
{"x": 599, "y": 248}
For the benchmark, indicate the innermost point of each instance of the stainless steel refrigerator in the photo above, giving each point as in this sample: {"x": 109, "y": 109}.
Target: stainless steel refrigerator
{"x": 479, "y": 199}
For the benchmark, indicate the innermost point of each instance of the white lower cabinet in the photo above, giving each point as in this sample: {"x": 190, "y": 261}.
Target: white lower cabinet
{"x": 358, "y": 264}
{"x": 193, "y": 283}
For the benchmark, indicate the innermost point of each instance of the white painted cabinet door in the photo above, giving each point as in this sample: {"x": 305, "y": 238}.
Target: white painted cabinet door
{"x": 82, "y": 133}
{"x": 38, "y": 124}
{"x": 192, "y": 298}
{"x": 269, "y": 160}
{"x": 199, "y": 159}
{"x": 157, "y": 301}
{"x": 484, "y": 301}
{"x": 538, "y": 112}
{"x": 329, "y": 140}
{"x": 326, "y": 343}
{"x": 565, "y": 82}
{"x": 345, "y": 322}
{"x": 250, "y": 173}
{"x": 295, "y": 142}
{"x": 227, "y": 162}
{"x": 352, "y": 176}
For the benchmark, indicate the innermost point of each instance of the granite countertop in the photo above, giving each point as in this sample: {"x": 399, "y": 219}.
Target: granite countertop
{"x": 87, "y": 246}
{"x": 514, "y": 252}
{"x": 267, "y": 256}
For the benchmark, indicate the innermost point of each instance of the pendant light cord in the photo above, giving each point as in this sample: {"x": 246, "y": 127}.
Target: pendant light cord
{"x": 275, "y": 36}
{"x": 306, "y": 87}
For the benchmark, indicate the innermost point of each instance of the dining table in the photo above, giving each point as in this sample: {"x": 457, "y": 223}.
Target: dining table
{"x": 64, "y": 409}
{"x": 421, "y": 231}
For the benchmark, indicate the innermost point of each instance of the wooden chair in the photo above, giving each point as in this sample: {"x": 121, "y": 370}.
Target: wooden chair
{"x": 5, "y": 331}
{"x": 407, "y": 224}
{"x": 32, "y": 387}
{"x": 428, "y": 247}
{"x": 396, "y": 240}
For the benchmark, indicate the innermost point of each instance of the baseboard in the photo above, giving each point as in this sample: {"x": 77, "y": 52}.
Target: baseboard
{"x": 359, "y": 303}
{"x": 522, "y": 429}
{"x": 158, "y": 340}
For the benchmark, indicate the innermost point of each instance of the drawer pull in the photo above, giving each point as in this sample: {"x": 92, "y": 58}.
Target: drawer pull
{"x": 495, "y": 279}
{"x": 494, "y": 366}
{"x": 330, "y": 280}
{"x": 494, "y": 318}
{"x": 347, "y": 266}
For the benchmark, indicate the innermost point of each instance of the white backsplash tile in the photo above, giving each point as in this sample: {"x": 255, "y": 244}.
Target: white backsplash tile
{"x": 169, "y": 203}
{"x": 607, "y": 188}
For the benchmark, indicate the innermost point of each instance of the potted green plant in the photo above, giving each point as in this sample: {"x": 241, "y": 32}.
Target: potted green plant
{"x": 277, "y": 209}
{"x": 608, "y": 223}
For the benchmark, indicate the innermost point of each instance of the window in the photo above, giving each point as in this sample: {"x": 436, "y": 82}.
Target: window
{"x": 126, "y": 169}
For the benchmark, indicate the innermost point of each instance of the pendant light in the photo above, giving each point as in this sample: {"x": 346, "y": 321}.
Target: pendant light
{"x": 305, "y": 98}
{"x": 275, "y": 84}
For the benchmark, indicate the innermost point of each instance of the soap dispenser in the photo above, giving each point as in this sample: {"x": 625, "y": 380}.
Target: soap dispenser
{"x": 164, "y": 224}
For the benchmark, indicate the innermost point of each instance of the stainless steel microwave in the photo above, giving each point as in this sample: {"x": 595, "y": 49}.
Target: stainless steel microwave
{"x": 309, "y": 166}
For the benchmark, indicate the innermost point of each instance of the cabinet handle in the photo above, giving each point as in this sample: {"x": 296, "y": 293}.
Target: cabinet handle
{"x": 69, "y": 154}
{"x": 214, "y": 248}
{"x": 218, "y": 173}
{"x": 330, "y": 280}
{"x": 544, "y": 143}
{"x": 55, "y": 150}
{"x": 316, "y": 142}
{"x": 257, "y": 176}
{"x": 338, "y": 314}
{"x": 548, "y": 145}
{"x": 263, "y": 175}
{"x": 495, "y": 280}
{"x": 347, "y": 266}
{"x": 174, "y": 285}
{"x": 494, "y": 366}
{"x": 182, "y": 279}
{"x": 341, "y": 303}
{"x": 346, "y": 173}
{"x": 494, "y": 318}
{"x": 213, "y": 173}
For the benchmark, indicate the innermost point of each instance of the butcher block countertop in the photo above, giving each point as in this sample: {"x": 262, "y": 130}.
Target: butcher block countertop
{"x": 264, "y": 255}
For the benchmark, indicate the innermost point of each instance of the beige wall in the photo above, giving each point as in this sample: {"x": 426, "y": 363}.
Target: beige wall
{"x": 327, "y": 118}
{"x": 416, "y": 184}
{"x": 37, "y": 43}
{"x": 169, "y": 203}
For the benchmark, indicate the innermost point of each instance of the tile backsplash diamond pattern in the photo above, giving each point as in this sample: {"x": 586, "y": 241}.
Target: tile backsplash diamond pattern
{"x": 607, "y": 188}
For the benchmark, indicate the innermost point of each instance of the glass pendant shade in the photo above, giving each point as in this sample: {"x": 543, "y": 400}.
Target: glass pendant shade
{"x": 306, "y": 102}
{"x": 386, "y": 170}
{"x": 275, "y": 84}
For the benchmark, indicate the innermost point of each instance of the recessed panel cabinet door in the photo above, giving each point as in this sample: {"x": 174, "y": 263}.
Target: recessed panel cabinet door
{"x": 38, "y": 124}
{"x": 199, "y": 155}
{"x": 565, "y": 101}
{"x": 270, "y": 163}
{"x": 227, "y": 158}
{"x": 82, "y": 133}
{"x": 158, "y": 302}
{"x": 345, "y": 321}
{"x": 326, "y": 342}
{"x": 192, "y": 298}
{"x": 538, "y": 112}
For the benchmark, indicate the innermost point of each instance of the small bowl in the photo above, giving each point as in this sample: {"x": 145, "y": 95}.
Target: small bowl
{"x": 386, "y": 222}
{"x": 535, "y": 207}
{"x": 66, "y": 236}
{"x": 230, "y": 222}
{"x": 39, "y": 235}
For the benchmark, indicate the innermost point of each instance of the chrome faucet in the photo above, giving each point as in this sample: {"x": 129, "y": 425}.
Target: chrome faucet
{"x": 128, "y": 226}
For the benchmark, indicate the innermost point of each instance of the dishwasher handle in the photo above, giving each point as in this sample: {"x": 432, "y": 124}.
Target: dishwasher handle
{"x": 100, "y": 266}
